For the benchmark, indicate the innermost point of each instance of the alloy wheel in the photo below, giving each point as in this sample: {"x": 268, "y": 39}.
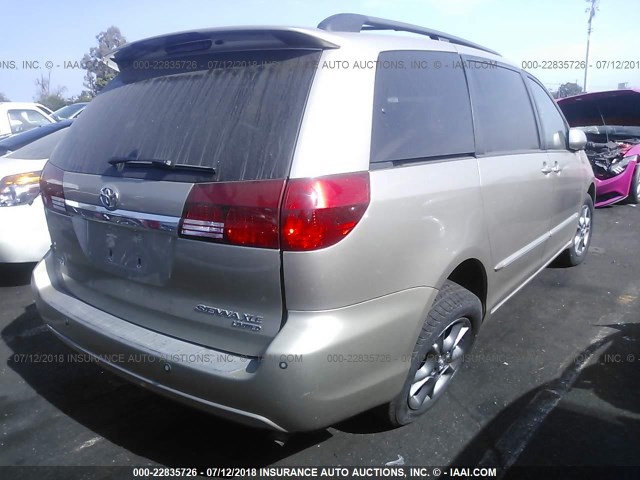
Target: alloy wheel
{"x": 441, "y": 362}
{"x": 583, "y": 233}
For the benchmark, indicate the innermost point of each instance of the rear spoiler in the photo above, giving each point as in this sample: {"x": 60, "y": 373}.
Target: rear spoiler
{"x": 218, "y": 40}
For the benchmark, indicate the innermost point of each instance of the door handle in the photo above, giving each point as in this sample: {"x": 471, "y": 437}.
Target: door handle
{"x": 546, "y": 169}
{"x": 556, "y": 168}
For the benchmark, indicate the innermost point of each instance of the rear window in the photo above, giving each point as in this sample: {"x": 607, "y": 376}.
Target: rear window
{"x": 240, "y": 114}
{"x": 421, "y": 107}
{"x": 69, "y": 110}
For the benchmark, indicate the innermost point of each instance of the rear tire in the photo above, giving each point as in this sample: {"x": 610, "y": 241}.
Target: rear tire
{"x": 577, "y": 251}
{"x": 634, "y": 191}
{"x": 446, "y": 337}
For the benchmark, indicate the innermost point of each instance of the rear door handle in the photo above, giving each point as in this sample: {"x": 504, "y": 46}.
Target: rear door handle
{"x": 546, "y": 169}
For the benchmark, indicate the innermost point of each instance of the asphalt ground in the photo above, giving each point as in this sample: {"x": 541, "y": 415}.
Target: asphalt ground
{"x": 554, "y": 380}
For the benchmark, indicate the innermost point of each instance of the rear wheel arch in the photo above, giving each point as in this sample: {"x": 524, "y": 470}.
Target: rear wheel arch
{"x": 472, "y": 275}
{"x": 447, "y": 335}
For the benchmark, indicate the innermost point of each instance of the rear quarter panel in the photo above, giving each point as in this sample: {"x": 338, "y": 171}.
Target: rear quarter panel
{"x": 423, "y": 221}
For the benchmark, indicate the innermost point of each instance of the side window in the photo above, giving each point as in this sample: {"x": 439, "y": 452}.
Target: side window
{"x": 554, "y": 129}
{"x": 23, "y": 120}
{"x": 504, "y": 117}
{"x": 421, "y": 107}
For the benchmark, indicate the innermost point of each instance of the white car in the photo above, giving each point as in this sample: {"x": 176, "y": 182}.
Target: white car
{"x": 23, "y": 228}
{"x": 16, "y": 117}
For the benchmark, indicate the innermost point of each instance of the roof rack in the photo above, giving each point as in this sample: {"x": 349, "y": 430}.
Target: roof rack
{"x": 353, "y": 22}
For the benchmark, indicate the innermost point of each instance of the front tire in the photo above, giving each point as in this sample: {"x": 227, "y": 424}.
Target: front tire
{"x": 577, "y": 251}
{"x": 446, "y": 337}
{"x": 634, "y": 191}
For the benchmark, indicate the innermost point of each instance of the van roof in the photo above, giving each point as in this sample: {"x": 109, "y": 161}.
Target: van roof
{"x": 342, "y": 30}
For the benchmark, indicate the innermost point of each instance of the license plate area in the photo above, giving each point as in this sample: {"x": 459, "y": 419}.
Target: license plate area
{"x": 132, "y": 253}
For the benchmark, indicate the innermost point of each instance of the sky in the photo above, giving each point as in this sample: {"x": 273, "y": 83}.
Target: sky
{"x": 60, "y": 31}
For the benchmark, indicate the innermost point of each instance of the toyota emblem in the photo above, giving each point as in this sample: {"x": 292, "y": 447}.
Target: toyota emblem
{"x": 109, "y": 198}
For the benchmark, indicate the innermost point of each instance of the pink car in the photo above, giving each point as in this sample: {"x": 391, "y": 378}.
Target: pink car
{"x": 611, "y": 121}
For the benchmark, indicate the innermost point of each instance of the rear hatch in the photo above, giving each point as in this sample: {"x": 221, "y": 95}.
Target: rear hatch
{"x": 150, "y": 195}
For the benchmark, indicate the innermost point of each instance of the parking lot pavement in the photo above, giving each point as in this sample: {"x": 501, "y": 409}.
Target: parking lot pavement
{"x": 554, "y": 379}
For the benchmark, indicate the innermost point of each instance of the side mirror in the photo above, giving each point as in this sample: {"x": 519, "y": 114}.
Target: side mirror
{"x": 577, "y": 139}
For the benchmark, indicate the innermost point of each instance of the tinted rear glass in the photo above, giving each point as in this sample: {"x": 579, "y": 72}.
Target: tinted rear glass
{"x": 66, "y": 112}
{"x": 240, "y": 115}
{"x": 421, "y": 107}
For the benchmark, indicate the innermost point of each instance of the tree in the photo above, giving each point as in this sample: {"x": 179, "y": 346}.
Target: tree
{"x": 98, "y": 74}
{"x": 52, "y": 99}
{"x": 85, "y": 96}
{"x": 4, "y": 98}
{"x": 569, "y": 89}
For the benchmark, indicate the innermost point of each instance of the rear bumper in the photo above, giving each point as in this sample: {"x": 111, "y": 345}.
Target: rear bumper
{"x": 321, "y": 368}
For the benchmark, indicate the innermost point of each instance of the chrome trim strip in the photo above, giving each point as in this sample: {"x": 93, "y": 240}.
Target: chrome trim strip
{"x": 524, "y": 284}
{"x": 560, "y": 226}
{"x": 527, "y": 248}
{"x": 522, "y": 252}
{"x": 124, "y": 218}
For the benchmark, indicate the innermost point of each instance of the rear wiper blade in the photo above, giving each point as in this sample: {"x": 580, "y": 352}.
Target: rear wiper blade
{"x": 133, "y": 162}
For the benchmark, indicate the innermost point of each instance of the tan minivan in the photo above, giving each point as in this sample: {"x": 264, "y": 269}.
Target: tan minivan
{"x": 289, "y": 226}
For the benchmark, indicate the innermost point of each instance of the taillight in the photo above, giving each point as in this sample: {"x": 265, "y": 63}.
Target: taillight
{"x": 319, "y": 212}
{"x": 307, "y": 214}
{"x": 237, "y": 213}
{"x": 51, "y": 188}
